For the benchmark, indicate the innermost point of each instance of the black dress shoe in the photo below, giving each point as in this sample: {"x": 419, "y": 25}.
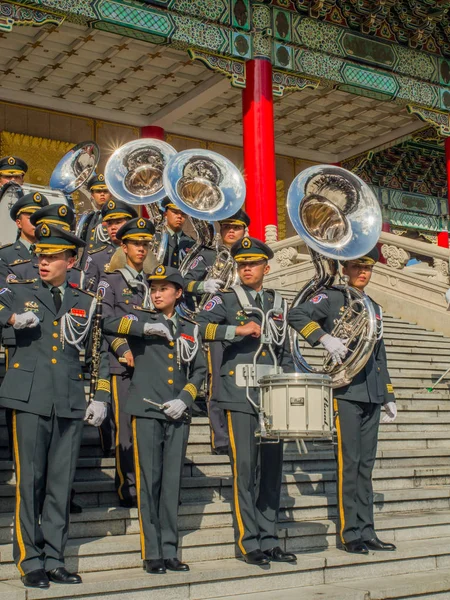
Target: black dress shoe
{"x": 128, "y": 503}
{"x": 155, "y": 566}
{"x": 256, "y": 557}
{"x": 173, "y": 564}
{"x": 75, "y": 509}
{"x": 221, "y": 451}
{"x": 36, "y": 579}
{"x": 356, "y": 547}
{"x": 62, "y": 575}
{"x": 278, "y": 555}
{"x": 376, "y": 544}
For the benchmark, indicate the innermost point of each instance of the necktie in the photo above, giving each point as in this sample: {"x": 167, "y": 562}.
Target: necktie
{"x": 57, "y": 299}
{"x": 139, "y": 277}
{"x": 259, "y": 303}
{"x": 171, "y": 325}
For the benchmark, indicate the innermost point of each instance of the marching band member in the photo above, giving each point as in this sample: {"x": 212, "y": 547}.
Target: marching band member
{"x": 122, "y": 289}
{"x": 357, "y": 407}
{"x": 169, "y": 368}
{"x": 44, "y": 387}
{"x": 231, "y": 230}
{"x": 256, "y": 501}
{"x": 115, "y": 213}
{"x": 12, "y": 169}
{"x": 93, "y": 233}
{"x": 179, "y": 242}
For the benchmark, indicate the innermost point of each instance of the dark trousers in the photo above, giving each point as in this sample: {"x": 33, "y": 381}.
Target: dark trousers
{"x": 357, "y": 437}
{"x": 45, "y": 453}
{"x": 159, "y": 452}
{"x": 125, "y": 478}
{"x": 217, "y": 417}
{"x": 257, "y": 472}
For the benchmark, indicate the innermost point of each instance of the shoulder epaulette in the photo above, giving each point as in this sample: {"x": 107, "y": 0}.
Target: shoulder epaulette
{"x": 22, "y": 281}
{"x": 86, "y": 292}
{"x": 150, "y": 310}
{"x": 99, "y": 249}
{"x": 6, "y": 245}
{"x": 187, "y": 319}
{"x": 19, "y": 261}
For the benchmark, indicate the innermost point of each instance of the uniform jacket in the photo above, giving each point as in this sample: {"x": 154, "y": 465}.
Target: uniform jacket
{"x": 158, "y": 374}
{"x": 118, "y": 298}
{"x": 43, "y": 376}
{"x": 314, "y": 318}
{"x": 224, "y": 310}
{"x": 96, "y": 262}
{"x": 173, "y": 258}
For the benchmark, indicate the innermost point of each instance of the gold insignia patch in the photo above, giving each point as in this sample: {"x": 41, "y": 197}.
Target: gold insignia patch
{"x": 101, "y": 177}
{"x": 246, "y": 243}
{"x": 111, "y": 205}
{"x": 62, "y": 211}
{"x": 160, "y": 270}
{"x": 37, "y": 197}
{"x": 11, "y": 161}
{"x": 45, "y": 230}
{"x": 141, "y": 223}
{"x": 31, "y": 306}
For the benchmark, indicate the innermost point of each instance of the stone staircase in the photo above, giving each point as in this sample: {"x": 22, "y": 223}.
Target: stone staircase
{"x": 412, "y": 503}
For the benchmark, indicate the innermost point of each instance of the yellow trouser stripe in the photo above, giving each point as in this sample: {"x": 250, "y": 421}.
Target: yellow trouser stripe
{"x": 235, "y": 484}
{"x": 17, "y": 524}
{"x": 6, "y": 358}
{"x": 137, "y": 470}
{"x": 340, "y": 472}
{"x": 208, "y": 356}
{"x": 117, "y": 423}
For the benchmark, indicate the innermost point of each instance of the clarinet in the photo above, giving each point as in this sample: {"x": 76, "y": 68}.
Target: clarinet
{"x": 96, "y": 347}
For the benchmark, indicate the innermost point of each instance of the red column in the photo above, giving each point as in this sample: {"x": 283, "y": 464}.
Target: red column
{"x": 153, "y": 131}
{"x": 443, "y": 235}
{"x": 259, "y": 147}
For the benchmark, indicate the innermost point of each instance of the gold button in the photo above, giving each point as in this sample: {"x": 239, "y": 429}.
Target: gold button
{"x": 174, "y": 253}
{"x": 170, "y": 356}
{"x": 172, "y": 344}
{"x": 55, "y": 335}
{"x": 170, "y": 381}
{"x": 263, "y": 354}
{"x": 54, "y": 361}
{"x": 127, "y": 301}
{"x": 80, "y": 376}
{"x": 54, "y": 348}
{"x": 231, "y": 373}
{"x": 242, "y": 322}
{"x": 170, "y": 368}
{"x": 55, "y": 323}
{"x": 16, "y": 365}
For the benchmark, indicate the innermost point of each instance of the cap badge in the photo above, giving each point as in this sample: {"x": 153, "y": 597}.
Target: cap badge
{"x": 11, "y": 161}
{"x": 101, "y": 177}
{"x": 62, "y": 211}
{"x": 141, "y": 224}
{"x": 45, "y": 230}
{"x": 160, "y": 270}
{"x": 246, "y": 243}
{"x": 37, "y": 197}
{"x": 111, "y": 205}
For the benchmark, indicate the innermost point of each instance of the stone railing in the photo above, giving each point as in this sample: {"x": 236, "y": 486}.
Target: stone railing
{"x": 414, "y": 293}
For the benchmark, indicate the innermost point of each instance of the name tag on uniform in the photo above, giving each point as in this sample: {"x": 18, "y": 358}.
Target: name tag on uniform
{"x": 187, "y": 337}
{"x": 77, "y": 312}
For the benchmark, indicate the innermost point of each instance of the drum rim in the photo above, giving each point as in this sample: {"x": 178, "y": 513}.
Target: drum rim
{"x": 305, "y": 377}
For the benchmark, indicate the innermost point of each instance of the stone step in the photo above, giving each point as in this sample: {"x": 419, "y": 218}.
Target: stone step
{"x": 230, "y": 577}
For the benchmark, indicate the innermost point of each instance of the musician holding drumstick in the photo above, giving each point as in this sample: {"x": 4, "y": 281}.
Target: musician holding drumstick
{"x": 357, "y": 406}
{"x": 256, "y": 500}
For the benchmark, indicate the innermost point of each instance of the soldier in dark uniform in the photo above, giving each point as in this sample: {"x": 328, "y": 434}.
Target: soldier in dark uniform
{"x": 21, "y": 213}
{"x": 44, "y": 387}
{"x": 179, "y": 243}
{"x": 12, "y": 169}
{"x": 115, "y": 213}
{"x": 52, "y": 214}
{"x": 231, "y": 230}
{"x": 121, "y": 290}
{"x": 169, "y": 370}
{"x": 256, "y": 499}
{"x": 92, "y": 232}
{"x": 357, "y": 407}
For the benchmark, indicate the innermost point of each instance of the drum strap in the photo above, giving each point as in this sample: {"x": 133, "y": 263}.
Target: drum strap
{"x": 244, "y": 302}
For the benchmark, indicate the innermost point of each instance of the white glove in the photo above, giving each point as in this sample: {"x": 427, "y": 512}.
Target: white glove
{"x": 26, "y": 319}
{"x": 174, "y": 408}
{"x": 335, "y": 347}
{"x": 211, "y": 286}
{"x": 391, "y": 412}
{"x": 447, "y": 296}
{"x": 95, "y": 413}
{"x": 157, "y": 329}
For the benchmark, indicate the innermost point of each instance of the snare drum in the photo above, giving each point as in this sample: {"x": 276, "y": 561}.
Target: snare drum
{"x": 297, "y": 405}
